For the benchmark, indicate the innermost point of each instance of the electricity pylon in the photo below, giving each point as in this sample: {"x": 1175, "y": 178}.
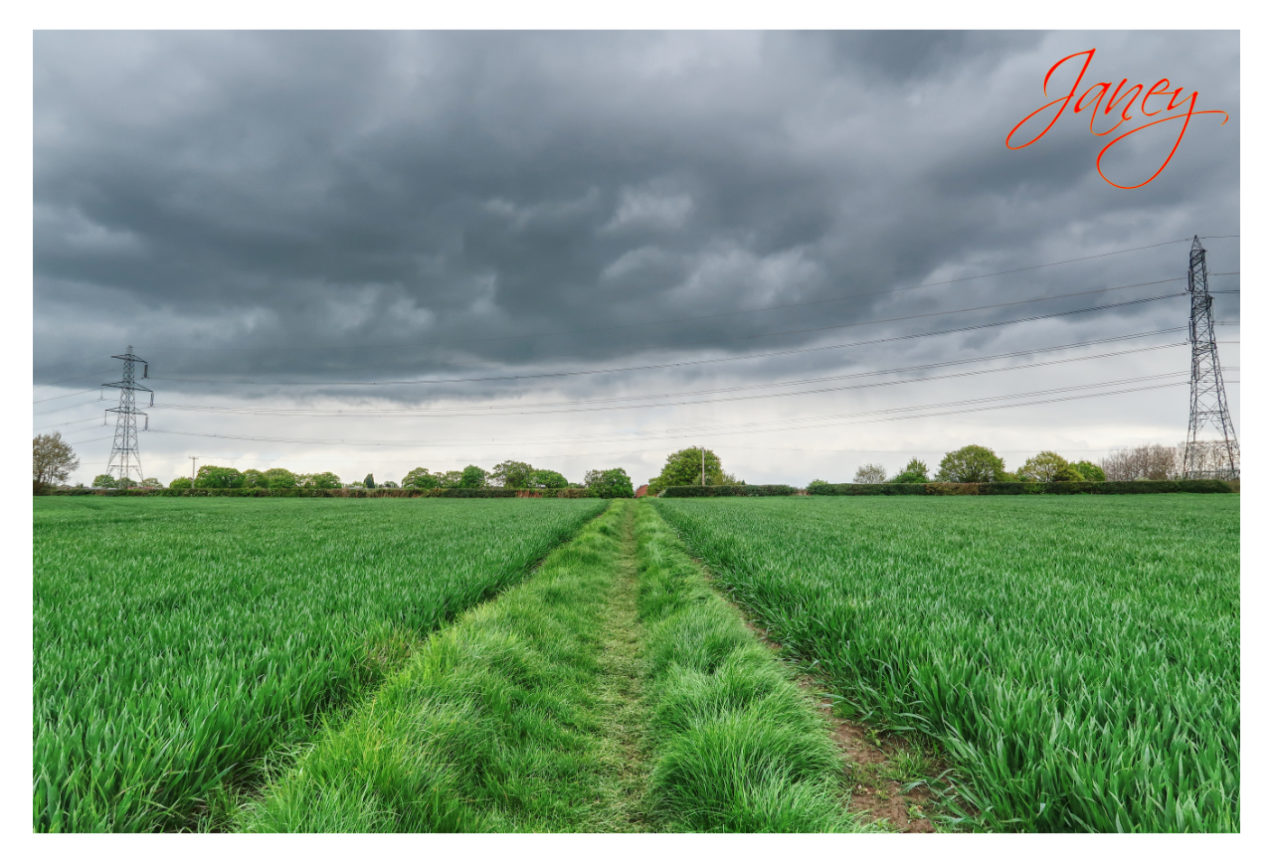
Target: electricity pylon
{"x": 125, "y": 457}
{"x": 1208, "y": 407}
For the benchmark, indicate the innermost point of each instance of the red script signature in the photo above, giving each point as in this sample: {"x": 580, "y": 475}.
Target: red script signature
{"x": 1186, "y": 108}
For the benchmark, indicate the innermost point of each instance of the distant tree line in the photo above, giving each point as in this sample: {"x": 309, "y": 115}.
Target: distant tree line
{"x": 612, "y": 482}
{"x": 976, "y": 463}
{"x": 692, "y": 466}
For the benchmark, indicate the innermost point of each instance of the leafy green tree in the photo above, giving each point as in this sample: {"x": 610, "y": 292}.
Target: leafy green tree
{"x": 1090, "y": 472}
{"x": 326, "y": 479}
{"x": 817, "y": 483}
{"x": 1068, "y": 474}
{"x": 870, "y": 473}
{"x": 685, "y": 467}
{"x": 915, "y": 471}
{"x": 181, "y": 482}
{"x": 388, "y": 484}
{"x": 151, "y": 482}
{"x": 369, "y": 481}
{"x": 542, "y": 478}
{"x": 609, "y": 483}
{"x": 510, "y": 474}
{"x": 420, "y": 477}
{"x": 52, "y": 461}
{"x": 103, "y": 480}
{"x": 972, "y": 463}
{"x": 450, "y": 479}
{"x": 280, "y": 477}
{"x": 253, "y": 478}
{"x": 472, "y": 477}
{"x": 212, "y": 476}
{"x": 1044, "y": 467}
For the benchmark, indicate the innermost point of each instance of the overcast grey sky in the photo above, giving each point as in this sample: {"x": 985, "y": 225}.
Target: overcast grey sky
{"x": 364, "y": 252}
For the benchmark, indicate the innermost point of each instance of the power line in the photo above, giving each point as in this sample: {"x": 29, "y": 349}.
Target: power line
{"x": 646, "y": 403}
{"x": 683, "y": 363}
{"x": 631, "y": 444}
{"x": 69, "y": 407}
{"x": 680, "y": 432}
{"x": 90, "y": 440}
{"x": 67, "y": 396}
{"x": 903, "y": 413}
{"x": 937, "y": 314}
{"x": 713, "y": 391}
{"x": 69, "y": 423}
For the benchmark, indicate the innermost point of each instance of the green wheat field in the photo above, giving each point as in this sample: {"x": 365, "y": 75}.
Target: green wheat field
{"x": 1065, "y": 663}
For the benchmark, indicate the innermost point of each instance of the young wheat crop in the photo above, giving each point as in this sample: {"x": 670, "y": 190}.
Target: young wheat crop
{"x": 1078, "y": 658}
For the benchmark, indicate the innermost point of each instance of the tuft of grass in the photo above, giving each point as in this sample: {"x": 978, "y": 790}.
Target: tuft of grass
{"x": 735, "y": 744}
{"x": 1076, "y": 658}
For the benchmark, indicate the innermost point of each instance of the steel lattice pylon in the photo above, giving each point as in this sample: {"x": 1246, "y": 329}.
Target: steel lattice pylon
{"x": 125, "y": 457}
{"x": 1208, "y": 406}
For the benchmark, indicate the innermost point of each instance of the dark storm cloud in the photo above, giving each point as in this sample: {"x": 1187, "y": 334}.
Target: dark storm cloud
{"x": 383, "y": 205}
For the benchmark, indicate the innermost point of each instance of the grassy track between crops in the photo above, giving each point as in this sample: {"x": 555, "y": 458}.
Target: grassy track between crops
{"x": 736, "y": 745}
{"x": 614, "y": 691}
{"x": 1077, "y": 658}
{"x": 184, "y": 647}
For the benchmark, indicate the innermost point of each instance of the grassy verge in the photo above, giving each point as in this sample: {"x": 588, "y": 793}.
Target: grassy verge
{"x": 736, "y": 746}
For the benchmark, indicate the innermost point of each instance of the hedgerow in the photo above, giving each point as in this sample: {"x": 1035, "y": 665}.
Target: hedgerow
{"x": 862, "y": 488}
{"x": 568, "y": 493}
{"x": 1192, "y": 486}
{"x": 728, "y": 490}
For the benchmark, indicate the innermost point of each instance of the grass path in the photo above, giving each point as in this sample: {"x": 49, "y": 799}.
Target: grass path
{"x": 736, "y": 745}
{"x": 620, "y": 691}
{"x": 614, "y": 691}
